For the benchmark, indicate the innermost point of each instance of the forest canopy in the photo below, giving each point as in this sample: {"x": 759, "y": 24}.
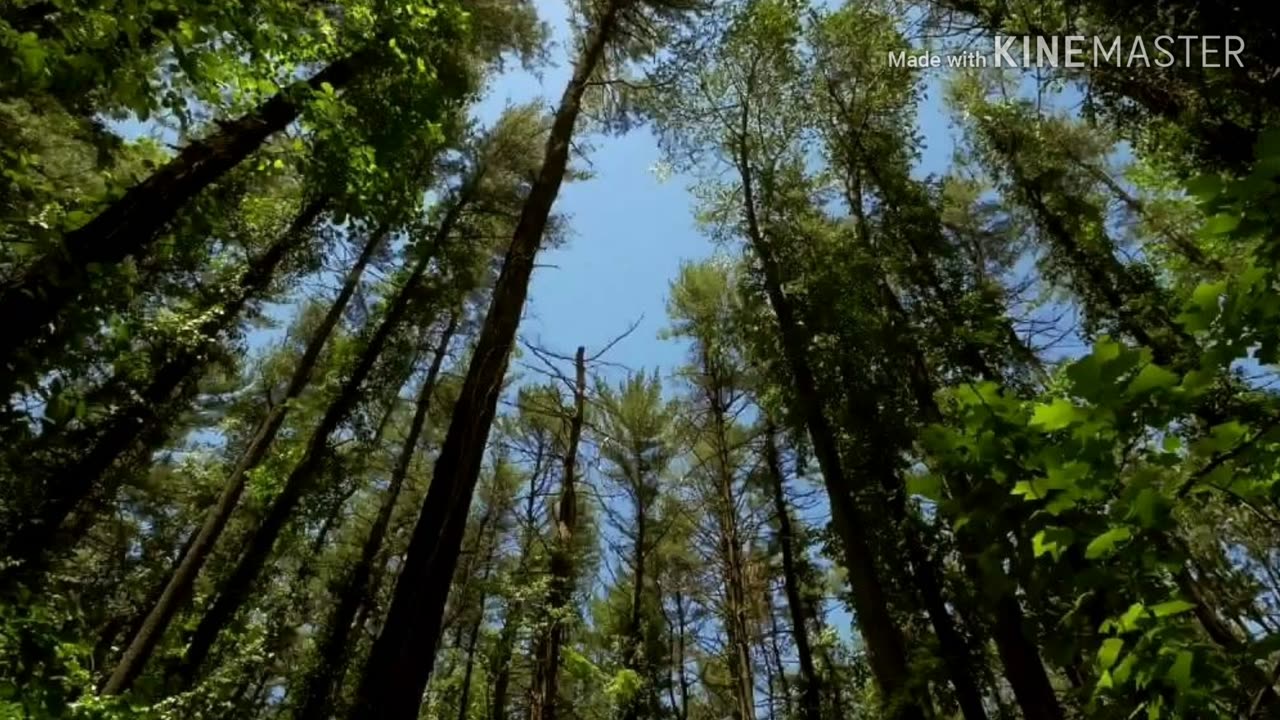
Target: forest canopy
{"x": 987, "y": 438}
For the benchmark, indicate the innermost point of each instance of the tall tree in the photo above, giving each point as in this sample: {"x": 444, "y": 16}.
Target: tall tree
{"x": 179, "y": 585}
{"x": 393, "y": 681}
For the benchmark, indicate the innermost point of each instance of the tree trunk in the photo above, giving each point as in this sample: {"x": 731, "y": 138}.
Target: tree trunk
{"x": 778, "y": 673}
{"x": 130, "y": 225}
{"x": 810, "y": 685}
{"x": 126, "y": 626}
{"x": 396, "y": 673}
{"x": 473, "y": 633}
{"x": 72, "y": 483}
{"x": 634, "y": 639}
{"x": 500, "y": 666}
{"x": 543, "y": 698}
{"x": 183, "y": 578}
{"x": 464, "y": 700}
{"x": 730, "y": 546}
{"x": 235, "y": 590}
{"x": 1173, "y": 237}
{"x": 921, "y": 572}
{"x": 885, "y": 646}
{"x": 1024, "y": 668}
{"x": 500, "y": 662}
{"x": 332, "y": 649}
{"x": 1023, "y": 665}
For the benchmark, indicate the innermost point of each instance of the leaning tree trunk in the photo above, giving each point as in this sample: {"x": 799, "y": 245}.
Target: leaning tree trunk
{"x": 473, "y": 635}
{"x": 129, "y": 226}
{"x": 235, "y": 589}
{"x": 71, "y": 484}
{"x": 730, "y": 547}
{"x": 885, "y": 645}
{"x": 1019, "y": 655}
{"x": 633, "y": 638}
{"x": 921, "y": 571}
{"x": 810, "y": 684}
{"x": 542, "y": 701}
{"x": 397, "y": 670}
{"x": 178, "y": 589}
{"x": 332, "y": 649}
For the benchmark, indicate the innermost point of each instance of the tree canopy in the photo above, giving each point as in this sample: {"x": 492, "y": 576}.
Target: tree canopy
{"x": 998, "y": 439}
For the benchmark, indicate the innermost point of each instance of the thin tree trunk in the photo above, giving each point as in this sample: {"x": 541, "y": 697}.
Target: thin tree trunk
{"x": 922, "y": 571}
{"x": 633, "y": 639}
{"x": 1024, "y": 668}
{"x": 129, "y": 226}
{"x": 474, "y": 632}
{"x": 1023, "y": 665}
{"x": 735, "y": 621}
{"x": 333, "y": 648}
{"x": 127, "y": 626}
{"x": 396, "y": 673}
{"x": 235, "y": 589}
{"x": 886, "y": 649}
{"x": 178, "y": 589}
{"x": 542, "y": 705}
{"x": 679, "y": 707}
{"x": 810, "y": 685}
{"x": 500, "y": 662}
{"x": 72, "y": 483}
{"x": 683, "y": 671}
{"x": 779, "y": 672}
{"x": 464, "y": 701}
{"x": 500, "y": 667}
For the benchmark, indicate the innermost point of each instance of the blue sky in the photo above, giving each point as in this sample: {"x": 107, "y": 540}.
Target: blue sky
{"x": 629, "y": 232}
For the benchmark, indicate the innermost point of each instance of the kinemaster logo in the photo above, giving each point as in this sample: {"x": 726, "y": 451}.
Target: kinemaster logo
{"x": 1081, "y": 51}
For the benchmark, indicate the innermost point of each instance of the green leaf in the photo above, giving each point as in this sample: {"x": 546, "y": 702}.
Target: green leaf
{"x": 926, "y": 485}
{"x": 1205, "y": 186}
{"x": 1052, "y": 540}
{"x": 1197, "y": 380}
{"x": 59, "y": 408}
{"x": 1173, "y": 607}
{"x": 1222, "y": 224}
{"x": 1056, "y": 415}
{"x": 1267, "y": 144}
{"x": 1035, "y": 489}
{"x": 1222, "y": 438}
{"x": 1122, "y": 671}
{"x": 1105, "y": 544}
{"x": 1206, "y": 295}
{"x": 1109, "y": 653}
{"x": 1129, "y": 621}
{"x": 1148, "y": 508}
{"x": 1151, "y": 377}
{"x": 1179, "y": 674}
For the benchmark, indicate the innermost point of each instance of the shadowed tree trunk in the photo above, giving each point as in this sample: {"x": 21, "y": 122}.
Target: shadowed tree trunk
{"x": 1020, "y": 657}
{"x": 332, "y": 650}
{"x": 139, "y": 425}
{"x": 543, "y": 698}
{"x": 810, "y": 684}
{"x": 129, "y": 226}
{"x": 473, "y": 635}
{"x": 126, "y": 626}
{"x": 397, "y": 670}
{"x": 183, "y": 578}
{"x": 234, "y": 591}
{"x": 886, "y": 649}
